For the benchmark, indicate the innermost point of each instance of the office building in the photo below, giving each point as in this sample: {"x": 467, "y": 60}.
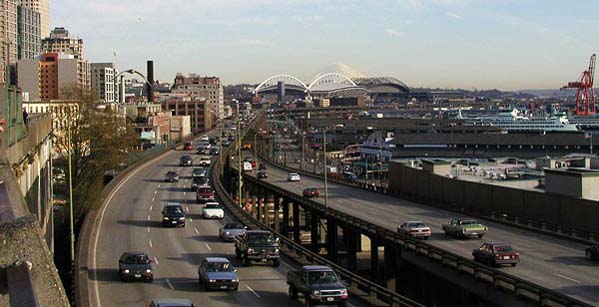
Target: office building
{"x": 43, "y": 77}
{"x": 8, "y": 37}
{"x": 198, "y": 109}
{"x": 60, "y": 41}
{"x": 43, "y": 8}
{"x": 29, "y": 41}
{"x": 209, "y": 88}
{"x": 103, "y": 81}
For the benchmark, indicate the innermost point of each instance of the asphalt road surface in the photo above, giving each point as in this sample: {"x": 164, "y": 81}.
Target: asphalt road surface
{"x": 132, "y": 221}
{"x": 545, "y": 260}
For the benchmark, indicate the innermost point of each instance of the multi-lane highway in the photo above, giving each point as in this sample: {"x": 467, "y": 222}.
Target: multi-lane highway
{"x": 131, "y": 220}
{"x": 554, "y": 263}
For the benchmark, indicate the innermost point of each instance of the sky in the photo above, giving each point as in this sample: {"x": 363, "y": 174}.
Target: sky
{"x": 471, "y": 44}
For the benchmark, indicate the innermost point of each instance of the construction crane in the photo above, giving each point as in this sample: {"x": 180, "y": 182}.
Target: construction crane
{"x": 585, "y": 95}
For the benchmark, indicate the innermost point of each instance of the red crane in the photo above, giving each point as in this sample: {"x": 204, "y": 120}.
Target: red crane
{"x": 585, "y": 96}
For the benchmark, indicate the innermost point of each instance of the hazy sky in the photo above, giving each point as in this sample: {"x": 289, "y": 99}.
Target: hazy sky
{"x": 505, "y": 44}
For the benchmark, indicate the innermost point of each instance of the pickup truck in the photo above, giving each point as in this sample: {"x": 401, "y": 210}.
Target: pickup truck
{"x": 461, "y": 228}
{"x": 258, "y": 245}
{"x": 318, "y": 284}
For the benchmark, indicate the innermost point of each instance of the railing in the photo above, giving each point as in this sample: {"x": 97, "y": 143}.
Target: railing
{"x": 374, "y": 289}
{"x": 520, "y": 287}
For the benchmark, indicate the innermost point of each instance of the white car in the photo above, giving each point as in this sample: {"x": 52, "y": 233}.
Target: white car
{"x": 416, "y": 229}
{"x": 213, "y": 210}
{"x": 205, "y": 138}
{"x": 247, "y": 166}
{"x": 293, "y": 177}
{"x": 205, "y": 161}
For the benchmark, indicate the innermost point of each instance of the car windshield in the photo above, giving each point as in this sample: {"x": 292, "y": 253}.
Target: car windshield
{"x": 171, "y": 174}
{"x": 417, "y": 225}
{"x": 502, "y": 248}
{"x": 293, "y": 175}
{"x": 212, "y": 206}
{"x": 321, "y": 277}
{"x": 185, "y": 158}
{"x": 174, "y": 210}
{"x": 233, "y": 226}
{"x": 261, "y": 238}
{"x": 137, "y": 259}
{"x": 469, "y": 222}
{"x": 218, "y": 267}
{"x": 199, "y": 179}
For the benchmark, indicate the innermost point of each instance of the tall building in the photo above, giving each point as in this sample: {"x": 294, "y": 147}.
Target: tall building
{"x": 29, "y": 41}
{"x": 43, "y": 78}
{"x": 209, "y": 88}
{"x": 103, "y": 81}
{"x": 197, "y": 108}
{"x": 8, "y": 37}
{"x": 42, "y": 7}
{"x": 60, "y": 41}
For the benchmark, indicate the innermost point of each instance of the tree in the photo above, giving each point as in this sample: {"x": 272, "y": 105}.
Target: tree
{"x": 99, "y": 141}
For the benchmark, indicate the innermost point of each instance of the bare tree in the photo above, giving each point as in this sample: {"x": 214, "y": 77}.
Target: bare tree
{"x": 98, "y": 139}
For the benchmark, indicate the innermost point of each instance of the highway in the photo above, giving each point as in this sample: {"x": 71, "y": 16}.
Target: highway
{"x": 548, "y": 261}
{"x": 132, "y": 221}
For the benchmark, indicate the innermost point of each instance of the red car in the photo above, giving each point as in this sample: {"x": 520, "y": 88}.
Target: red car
{"x": 187, "y": 146}
{"x": 496, "y": 254}
{"x": 204, "y": 194}
{"x": 311, "y": 192}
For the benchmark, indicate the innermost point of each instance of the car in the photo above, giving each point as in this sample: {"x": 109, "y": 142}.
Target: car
{"x": 136, "y": 266}
{"x": 215, "y": 151}
{"x": 247, "y": 166}
{"x": 318, "y": 284}
{"x": 213, "y": 210}
{"x": 172, "y": 303}
{"x": 230, "y": 231}
{"x": 173, "y": 215}
{"x": 310, "y": 192}
{"x": 258, "y": 245}
{"x": 212, "y": 140}
{"x": 592, "y": 252}
{"x": 204, "y": 194}
{"x": 416, "y": 229}
{"x": 262, "y": 167}
{"x": 252, "y": 162}
{"x": 218, "y": 273}
{"x": 293, "y": 177}
{"x": 171, "y": 176}
{"x": 231, "y": 138}
{"x": 199, "y": 172}
{"x": 205, "y": 138}
{"x": 262, "y": 175}
{"x": 225, "y": 143}
{"x": 198, "y": 181}
{"x": 464, "y": 227}
{"x": 187, "y": 146}
{"x": 496, "y": 254}
{"x": 185, "y": 160}
{"x": 205, "y": 161}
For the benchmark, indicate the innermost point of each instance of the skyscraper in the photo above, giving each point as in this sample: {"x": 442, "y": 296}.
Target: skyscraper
{"x": 60, "y": 41}
{"x": 29, "y": 41}
{"x": 42, "y": 7}
{"x": 8, "y": 36}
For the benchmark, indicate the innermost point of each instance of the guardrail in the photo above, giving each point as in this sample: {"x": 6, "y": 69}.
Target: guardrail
{"x": 565, "y": 232}
{"x": 374, "y": 290}
{"x": 520, "y": 287}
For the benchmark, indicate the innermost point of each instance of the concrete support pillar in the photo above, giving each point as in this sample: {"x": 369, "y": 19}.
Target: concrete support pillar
{"x": 374, "y": 259}
{"x": 276, "y": 214}
{"x": 265, "y": 206}
{"x": 392, "y": 261}
{"x": 259, "y": 201}
{"x": 285, "y": 226}
{"x": 296, "y": 223}
{"x": 314, "y": 235}
{"x": 352, "y": 237}
{"x": 332, "y": 240}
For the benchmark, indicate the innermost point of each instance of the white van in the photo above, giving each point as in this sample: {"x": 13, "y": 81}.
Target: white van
{"x": 247, "y": 166}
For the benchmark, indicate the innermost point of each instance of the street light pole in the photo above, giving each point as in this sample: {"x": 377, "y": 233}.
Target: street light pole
{"x": 72, "y": 229}
{"x": 326, "y": 188}
{"x": 239, "y": 164}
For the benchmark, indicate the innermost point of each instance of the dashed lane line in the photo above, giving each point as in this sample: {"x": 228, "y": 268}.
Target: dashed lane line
{"x": 197, "y": 231}
{"x": 208, "y": 246}
{"x": 568, "y": 278}
{"x": 252, "y": 290}
{"x": 151, "y": 246}
{"x": 169, "y": 284}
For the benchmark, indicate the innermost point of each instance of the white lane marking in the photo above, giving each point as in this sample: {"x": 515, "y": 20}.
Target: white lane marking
{"x": 159, "y": 186}
{"x": 568, "y": 278}
{"x": 152, "y": 206}
{"x": 190, "y": 219}
{"x": 208, "y": 246}
{"x": 156, "y": 260}
{"x": 150, "y": 244}
{"x": 252, "y": 290}
{"x": 156, "y": 192}
{"x": 148, "y": 228}
{"x": 169, "y": 284}
{"x": 148, "y": 217}
{"x": 99, "y": 223}
{"x": 197, "y": 231}
{"x": 153, "y": 200}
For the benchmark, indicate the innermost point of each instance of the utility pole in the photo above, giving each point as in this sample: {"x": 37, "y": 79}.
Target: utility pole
{"x": 72, "y": 229}
{"x": 239, "y": 164}
{"x": 303, "y": 152}
{"x": 381, "y": 159}
{"x": 326, "y": 188}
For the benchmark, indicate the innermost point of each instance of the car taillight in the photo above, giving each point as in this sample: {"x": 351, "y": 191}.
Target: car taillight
{"x": 498, "y": 256}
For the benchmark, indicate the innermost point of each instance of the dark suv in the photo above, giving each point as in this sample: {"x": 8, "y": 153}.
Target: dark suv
{"x": 135, "y": 265}
{"x": 186, "y": 160}
{"x": 173, "y": 215}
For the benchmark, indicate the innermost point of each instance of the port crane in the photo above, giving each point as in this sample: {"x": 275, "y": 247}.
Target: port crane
{"x": 586, "y": 103}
